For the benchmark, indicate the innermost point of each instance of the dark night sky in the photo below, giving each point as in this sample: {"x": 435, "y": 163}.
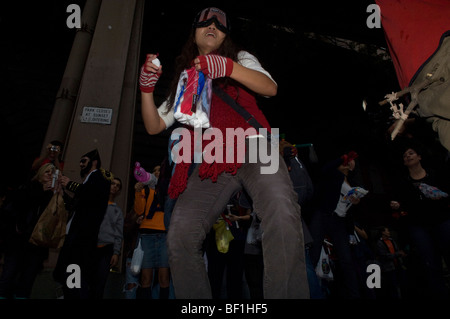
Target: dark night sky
{"x": 321, "y": 87}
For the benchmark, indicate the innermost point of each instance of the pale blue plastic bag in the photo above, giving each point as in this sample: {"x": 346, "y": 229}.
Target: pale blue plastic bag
{"x": 136, "y": 260}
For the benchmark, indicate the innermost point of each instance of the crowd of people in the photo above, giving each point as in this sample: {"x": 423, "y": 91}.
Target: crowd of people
{"x": 412, "y": 255}
{"x": 226, "y": 230}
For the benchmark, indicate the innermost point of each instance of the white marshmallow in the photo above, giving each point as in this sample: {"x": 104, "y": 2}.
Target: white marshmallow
{"x": 156, "y": 62}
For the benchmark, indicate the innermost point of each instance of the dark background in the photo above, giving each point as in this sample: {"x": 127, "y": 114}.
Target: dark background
{"x": 321, "y": 86}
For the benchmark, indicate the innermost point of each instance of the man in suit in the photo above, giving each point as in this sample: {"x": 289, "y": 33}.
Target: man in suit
{"x": 87, "y": 208}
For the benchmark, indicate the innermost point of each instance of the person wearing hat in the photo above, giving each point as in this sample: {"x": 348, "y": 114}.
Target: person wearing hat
{"x": 203, "y": 193}
{"x": 330, "y": 219}
{"x": 87, "y": 209}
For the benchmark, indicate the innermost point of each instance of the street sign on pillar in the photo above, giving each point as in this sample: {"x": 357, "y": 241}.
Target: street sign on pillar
{"x": 95, "y": 117}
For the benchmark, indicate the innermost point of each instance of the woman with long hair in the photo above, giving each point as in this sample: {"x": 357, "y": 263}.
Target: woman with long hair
{"x": 203, "y": 191}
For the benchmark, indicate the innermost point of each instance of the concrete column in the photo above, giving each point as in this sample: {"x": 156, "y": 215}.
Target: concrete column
{"x": 108, "y": 86}
{"x": 102, "y": 90}
{"x": 65, "y": 98}
{"x": 121, "y": 164}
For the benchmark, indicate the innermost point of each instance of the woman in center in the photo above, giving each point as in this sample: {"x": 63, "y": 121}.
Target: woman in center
{"x": 202, "y": 191}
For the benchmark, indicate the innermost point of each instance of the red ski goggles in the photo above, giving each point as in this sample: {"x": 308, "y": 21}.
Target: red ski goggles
{"x": 209, "y": 15}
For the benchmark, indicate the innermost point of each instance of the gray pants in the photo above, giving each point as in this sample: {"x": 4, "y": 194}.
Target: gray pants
{"x": 275, "y": 203}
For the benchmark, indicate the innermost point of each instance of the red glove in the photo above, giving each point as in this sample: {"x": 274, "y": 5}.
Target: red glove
{"x": 147, "y": 79}
{"x": 215, "y": 66}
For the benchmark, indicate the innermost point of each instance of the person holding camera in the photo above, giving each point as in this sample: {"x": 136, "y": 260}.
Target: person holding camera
{"x": 53, "y": 156}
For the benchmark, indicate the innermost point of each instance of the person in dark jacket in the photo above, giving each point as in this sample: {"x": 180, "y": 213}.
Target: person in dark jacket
{"x": 330, "y": 219}
{"x": 24, "y": 260}
{"x": 86, "y": 212}
{"x": 304, "y": 188}
{"x": 390, "y": 258}
{"x": 421, "y": 194}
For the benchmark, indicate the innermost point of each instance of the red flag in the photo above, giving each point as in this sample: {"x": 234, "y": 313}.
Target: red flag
{"x": 413, "y": 29}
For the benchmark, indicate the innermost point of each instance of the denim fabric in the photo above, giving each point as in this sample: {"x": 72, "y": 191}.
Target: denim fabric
{"x": 130, "y": 279}
{"x": 155, "y": 250}
{"x": 275, "y": 203}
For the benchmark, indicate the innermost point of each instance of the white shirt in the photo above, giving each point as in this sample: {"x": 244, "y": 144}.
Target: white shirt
{"x": 244, "y": 58}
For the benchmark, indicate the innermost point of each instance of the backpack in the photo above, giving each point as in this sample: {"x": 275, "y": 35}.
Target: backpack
{"x": 429, "y": 88}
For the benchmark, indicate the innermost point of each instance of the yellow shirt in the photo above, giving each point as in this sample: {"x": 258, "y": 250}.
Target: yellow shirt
{"x": 142, "y": 206}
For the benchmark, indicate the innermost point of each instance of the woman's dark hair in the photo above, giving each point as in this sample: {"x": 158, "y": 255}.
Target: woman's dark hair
{"x": 381, "y": 229}
{"x": 189, "y": 52}
{"x": 414, "y": 145}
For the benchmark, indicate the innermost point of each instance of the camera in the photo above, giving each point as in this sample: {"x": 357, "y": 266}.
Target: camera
{"x": 54, "y": 148}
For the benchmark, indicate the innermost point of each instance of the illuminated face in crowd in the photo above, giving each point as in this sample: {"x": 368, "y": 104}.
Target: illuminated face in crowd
{"x": 47, "y": 175}
{"x": 411, "y": 158}
{"x": 116, "y": 186}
